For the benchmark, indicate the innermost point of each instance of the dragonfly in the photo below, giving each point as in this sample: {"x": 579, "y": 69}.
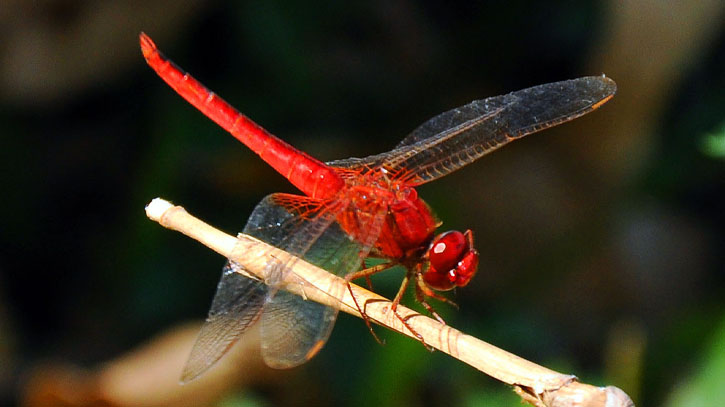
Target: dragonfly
{"x": 357, "y": 208}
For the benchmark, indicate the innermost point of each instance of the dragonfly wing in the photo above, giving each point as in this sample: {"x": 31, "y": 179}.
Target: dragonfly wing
{"x": 237, "y": 304}
{"x": 240, "y": 300}
{"x": 294, "y": 329}
{"x": 460, "y": 136}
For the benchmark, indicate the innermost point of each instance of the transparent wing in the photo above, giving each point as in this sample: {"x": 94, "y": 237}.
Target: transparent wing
{"x": 237, "y": 304}
{"x": 460, "y": 136}
{"x": 294, "y": 329}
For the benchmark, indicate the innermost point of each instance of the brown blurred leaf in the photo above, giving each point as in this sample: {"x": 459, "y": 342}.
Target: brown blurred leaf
{"x": 149, "y": 376}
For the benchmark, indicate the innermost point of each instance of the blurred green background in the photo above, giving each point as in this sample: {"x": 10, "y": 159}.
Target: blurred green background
{"x": 601, "y": 240}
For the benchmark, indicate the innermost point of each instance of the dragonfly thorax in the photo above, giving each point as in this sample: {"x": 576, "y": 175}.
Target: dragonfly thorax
{"x": 410, "y": 221}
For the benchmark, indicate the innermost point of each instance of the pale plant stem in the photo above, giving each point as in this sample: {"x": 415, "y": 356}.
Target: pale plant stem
{"x": 536, "y": 384}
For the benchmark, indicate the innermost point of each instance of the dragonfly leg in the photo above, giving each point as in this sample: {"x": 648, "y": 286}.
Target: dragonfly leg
{"x": 425, "y": 291}
{"x": 368, "y": 281}
{"x": 420, "y": 295}
{"x": 404, "y": 320}
{"x": 401, "y": 292}
{"x": 367, "y": 272}
{"x": 363, "y": 314}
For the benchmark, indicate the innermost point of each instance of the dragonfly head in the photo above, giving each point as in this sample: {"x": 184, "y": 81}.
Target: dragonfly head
{"x": 452, "y": 260}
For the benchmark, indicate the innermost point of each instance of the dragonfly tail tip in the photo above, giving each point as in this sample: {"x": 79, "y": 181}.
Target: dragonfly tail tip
{"x": 147, "y": 45}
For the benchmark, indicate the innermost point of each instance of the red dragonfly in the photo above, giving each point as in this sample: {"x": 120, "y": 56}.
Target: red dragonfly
{"x": 358, "y": 208}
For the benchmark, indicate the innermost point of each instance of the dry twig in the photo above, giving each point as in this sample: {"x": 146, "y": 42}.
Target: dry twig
{"x": 536, "y": 384}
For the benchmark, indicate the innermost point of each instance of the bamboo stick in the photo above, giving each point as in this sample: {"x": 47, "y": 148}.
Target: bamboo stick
{"x": 537, "y": 385}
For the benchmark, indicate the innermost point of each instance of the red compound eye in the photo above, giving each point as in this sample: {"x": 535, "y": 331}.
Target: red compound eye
{"x": 446, "y": 250}
{"x": 453, "y": 260}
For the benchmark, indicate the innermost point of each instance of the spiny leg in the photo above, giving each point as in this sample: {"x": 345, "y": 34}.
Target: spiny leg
{"x": 363, "y": 314}
{"x": 422, "y": 291}
{"x": 368, "y": 281}
{"x": 428, "y": 292}
{"x": 366, "y": 273}
{"x": 404, "y": 320}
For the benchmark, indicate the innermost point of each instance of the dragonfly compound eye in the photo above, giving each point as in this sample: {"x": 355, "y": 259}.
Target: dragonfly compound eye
{"x": 453, "y": 261}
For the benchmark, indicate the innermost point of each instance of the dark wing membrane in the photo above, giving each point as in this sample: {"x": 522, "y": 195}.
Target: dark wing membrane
{"x": 460, "y": 136}
{"x": 237, "y": 304}
{"x": 294, "y": 329}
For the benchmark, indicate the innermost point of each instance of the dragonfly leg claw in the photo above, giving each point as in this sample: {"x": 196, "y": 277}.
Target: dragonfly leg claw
{"x": 415, "y": 333}
{"x": 364, "y": 314}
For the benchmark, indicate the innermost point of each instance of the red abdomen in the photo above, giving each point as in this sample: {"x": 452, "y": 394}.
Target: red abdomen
{"x": 310, "y": 175}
